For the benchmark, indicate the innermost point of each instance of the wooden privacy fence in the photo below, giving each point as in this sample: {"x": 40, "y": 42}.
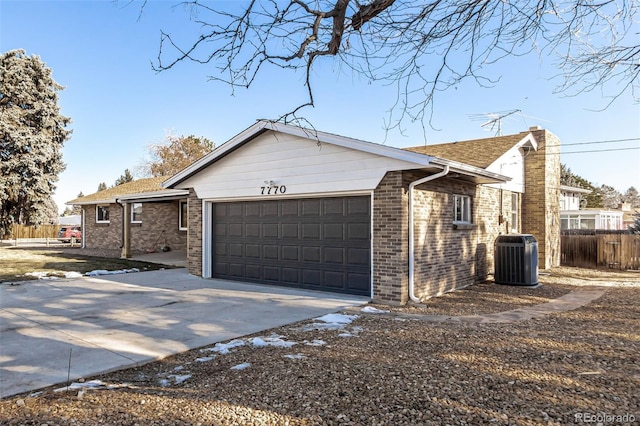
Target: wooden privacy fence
{"x": 42, "y": 231}
{"x": 600, "y": 250}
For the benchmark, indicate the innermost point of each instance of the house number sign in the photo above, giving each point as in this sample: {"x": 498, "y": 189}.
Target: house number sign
{"x": 273, "y": 190}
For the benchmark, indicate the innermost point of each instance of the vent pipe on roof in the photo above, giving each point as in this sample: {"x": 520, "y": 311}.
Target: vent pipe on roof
{"x": 445, "y": 171}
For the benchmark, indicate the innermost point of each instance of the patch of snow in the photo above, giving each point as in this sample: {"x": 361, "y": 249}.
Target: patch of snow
{"x": 178, "y": 368}
{"x": 295, "y": 356}
{"x": 316, "y": 342}
{"x": 337, "y": 318}
{"x": 261, "y": 342}
{"x": 92, "y": 384}
{"x": 372, "y": 310}
{"x": 241, "y": 366}
{"x": 223, "y": 348}
{"x": 38, "y": 275}
{"x": 164, "y": 382}
{"x": 72, "y": 274}
{"x": 179, "y": 378}
{"x": 97, "y": 272}
{"x": 205, "y": 358}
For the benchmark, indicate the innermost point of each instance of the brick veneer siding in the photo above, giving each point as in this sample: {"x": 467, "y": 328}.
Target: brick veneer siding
{"x": 194, "y": 239}
{"x": 103, "y": 235}
{"x": 159, "y": 228}
{"x": 390, "y": 233}
{"x": 446, "y": 257}
{"x": 541, "y": 199}
{"x": 156, "y": 218}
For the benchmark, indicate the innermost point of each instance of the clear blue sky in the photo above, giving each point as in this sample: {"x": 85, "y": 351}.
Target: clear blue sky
{"x": 102, "y": 53}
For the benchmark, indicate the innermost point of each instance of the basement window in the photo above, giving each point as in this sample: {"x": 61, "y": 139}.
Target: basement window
{"x": 461, "y": 209}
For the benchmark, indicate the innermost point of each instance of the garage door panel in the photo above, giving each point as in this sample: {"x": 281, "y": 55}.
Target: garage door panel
{"x": 311, "y": 254}
{"x": 334, "y": 231}
{"x": 321, "y": 244}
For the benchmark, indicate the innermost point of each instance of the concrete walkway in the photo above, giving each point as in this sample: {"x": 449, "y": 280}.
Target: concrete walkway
{"x": 568, "y": 302}
{"x": 113, "y": 322}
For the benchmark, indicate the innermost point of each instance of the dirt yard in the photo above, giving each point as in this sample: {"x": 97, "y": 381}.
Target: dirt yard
{"x": 569, "y": 367}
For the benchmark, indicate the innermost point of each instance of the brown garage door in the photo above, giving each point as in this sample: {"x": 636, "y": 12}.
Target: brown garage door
{"x": 315, "y": 243}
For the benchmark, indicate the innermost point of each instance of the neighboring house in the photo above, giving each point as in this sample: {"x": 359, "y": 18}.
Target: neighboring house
{"x": 155, "y": 218}
{"x": 572, "y": 216}
{"x": 282, "y": 205}
{"x": 72, "y": 220}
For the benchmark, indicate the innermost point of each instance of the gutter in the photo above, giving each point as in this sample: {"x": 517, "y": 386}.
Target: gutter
{"x": 445, "y": 171}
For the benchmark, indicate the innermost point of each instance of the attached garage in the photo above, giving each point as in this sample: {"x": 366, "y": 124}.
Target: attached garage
{"x": 311, "y": 243}
{"x": 283, "y": 205}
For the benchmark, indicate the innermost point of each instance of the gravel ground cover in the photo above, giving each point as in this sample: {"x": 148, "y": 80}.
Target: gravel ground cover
{"x": 576, "y": 366}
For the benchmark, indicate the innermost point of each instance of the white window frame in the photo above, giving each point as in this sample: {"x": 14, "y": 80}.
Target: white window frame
{"x": 133, "y": 208}
{"x": 181, "y": 216}
{"x": 98, "y": 208}
{"x": 515, "y": 210}
{"x": 464, "y": 202}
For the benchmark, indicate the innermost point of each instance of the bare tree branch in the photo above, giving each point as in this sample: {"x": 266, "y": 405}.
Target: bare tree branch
{"x": 422, "y": 47}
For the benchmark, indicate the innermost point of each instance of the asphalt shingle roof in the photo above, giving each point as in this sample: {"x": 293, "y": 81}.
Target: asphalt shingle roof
{"x": 477, "y": 152}
{"x": 134, "y": 187}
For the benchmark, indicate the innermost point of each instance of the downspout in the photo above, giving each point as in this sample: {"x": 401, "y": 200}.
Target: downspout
{"x": 445, "y": 171}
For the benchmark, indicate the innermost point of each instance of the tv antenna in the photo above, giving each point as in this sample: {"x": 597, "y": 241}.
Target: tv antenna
{"x": 493, "y": 120}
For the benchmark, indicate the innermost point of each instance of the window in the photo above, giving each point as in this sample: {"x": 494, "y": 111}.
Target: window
{"x": 102, "y": 214}
{"x": 514, "y": 212}
{"x": 461, "y": 209}
{"x": 136, "y": 213}
{"x": 183, "y": 216}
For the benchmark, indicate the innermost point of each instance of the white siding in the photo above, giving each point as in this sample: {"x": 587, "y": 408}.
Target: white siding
{"x": 510, "y": 164}
{"x": 300, "y": 165}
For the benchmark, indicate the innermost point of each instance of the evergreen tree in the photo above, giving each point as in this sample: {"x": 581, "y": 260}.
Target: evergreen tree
{"x": 32, "y": 133}
{"x": 634, "y": 228}
{"x": 102, "y": 186}
{"x": 126, "y": 177}
{"x": 77, "y": 210}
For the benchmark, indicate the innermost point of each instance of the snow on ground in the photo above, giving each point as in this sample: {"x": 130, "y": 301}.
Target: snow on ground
{"x": 330, "y": 322}
{"x": 241, "y": 366}
{"x": 223, "y": 348}
{"x": 97, "y": 272}
{"x": 372, "y": 310}
{"x": 40, "y": 275}
{"x": 92, "y": 384}
{"x": 261, "y": 342}
{"x": 295, "y": 356}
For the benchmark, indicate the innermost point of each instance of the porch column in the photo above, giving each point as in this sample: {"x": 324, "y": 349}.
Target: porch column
{"x": 126, "y": 231}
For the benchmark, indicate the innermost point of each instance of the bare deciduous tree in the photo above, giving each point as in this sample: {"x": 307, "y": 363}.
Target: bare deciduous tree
{"x": 421, "y": 47}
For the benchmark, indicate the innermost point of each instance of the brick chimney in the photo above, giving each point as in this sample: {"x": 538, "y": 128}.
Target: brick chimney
{"x": 541, "y": 198}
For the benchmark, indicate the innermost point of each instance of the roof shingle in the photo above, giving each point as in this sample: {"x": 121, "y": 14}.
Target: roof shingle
{"x": 134, "y": 187}
{"x": 477, "y": 152}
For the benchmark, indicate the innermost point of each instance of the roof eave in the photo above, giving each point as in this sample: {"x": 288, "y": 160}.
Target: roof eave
{"x": 476, "y": 174}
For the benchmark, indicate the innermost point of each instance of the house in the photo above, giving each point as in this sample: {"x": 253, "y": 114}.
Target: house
{"x": 283, "y": 205}
{"x": 135, "y": 217}
{"x": 573, "y": 216}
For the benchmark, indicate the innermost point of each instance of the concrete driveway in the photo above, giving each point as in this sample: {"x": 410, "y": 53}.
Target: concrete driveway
{"x": 111, "y": 322}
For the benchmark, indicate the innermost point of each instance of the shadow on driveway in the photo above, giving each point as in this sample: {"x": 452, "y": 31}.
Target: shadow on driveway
{"x": 108, "y": 323}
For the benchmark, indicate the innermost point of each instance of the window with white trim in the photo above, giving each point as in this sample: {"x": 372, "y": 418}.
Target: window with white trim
{"x": 184, "y": 220}
{"x": 461, "y": 209}
{"x": 136, "y": 213}
{"x": 515, "y": 205}
{"x": 102, "y": 213}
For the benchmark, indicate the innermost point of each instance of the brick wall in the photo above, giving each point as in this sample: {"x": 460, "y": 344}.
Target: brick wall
{"x": 446, "y": 256}
{"x": 103, "y": 235}
{"x": 194, "y": 239}
{"x": 159, "y": 227}
{"x": 390, "y": 233}
{"x": 541, "y": 200}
